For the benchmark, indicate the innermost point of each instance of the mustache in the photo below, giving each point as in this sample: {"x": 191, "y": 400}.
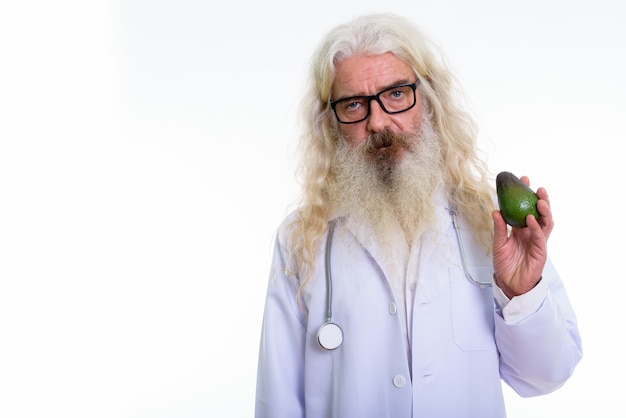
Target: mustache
{"x": 386, "y": 139}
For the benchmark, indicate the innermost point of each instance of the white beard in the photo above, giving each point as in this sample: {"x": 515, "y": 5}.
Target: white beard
{"x": 382, "y": 192}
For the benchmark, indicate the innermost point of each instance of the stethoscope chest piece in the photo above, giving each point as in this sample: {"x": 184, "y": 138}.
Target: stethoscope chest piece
{"x": 330, "y": 336}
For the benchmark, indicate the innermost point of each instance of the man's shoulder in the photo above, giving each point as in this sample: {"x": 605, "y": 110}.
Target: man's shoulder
{"x": 287, "y": 225}
{"x": 289, "y": 220}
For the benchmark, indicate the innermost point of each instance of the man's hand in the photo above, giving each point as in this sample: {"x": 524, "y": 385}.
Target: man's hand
{"x": 520, "y": 254}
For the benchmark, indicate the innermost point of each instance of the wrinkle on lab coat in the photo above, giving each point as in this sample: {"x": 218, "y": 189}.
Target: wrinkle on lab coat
{"x": 446, "y": 358}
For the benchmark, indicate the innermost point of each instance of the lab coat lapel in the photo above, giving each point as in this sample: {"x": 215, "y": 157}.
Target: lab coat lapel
{"x": 433, "y": 255}
{"x": 431, "y": 252}
{"x": 393, "y": 269}
{"x": 405, "y": 261}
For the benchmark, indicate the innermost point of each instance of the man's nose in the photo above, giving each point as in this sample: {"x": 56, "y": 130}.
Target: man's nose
{"x": 378, "y": 120}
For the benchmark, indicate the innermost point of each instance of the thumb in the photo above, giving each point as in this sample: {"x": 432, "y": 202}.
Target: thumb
{"x": 500, "y": 232}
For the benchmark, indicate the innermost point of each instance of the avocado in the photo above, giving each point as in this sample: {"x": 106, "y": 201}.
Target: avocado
{"x": 516, "y": 200}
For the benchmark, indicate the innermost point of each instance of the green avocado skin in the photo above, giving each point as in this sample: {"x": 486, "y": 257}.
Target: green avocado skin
{"x": 516, "y": 200}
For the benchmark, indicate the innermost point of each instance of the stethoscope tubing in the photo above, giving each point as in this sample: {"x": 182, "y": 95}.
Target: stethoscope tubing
{"x": 329, "y": 280}
{"x": 330, "y": 335}
{"x": 468, "y": 275}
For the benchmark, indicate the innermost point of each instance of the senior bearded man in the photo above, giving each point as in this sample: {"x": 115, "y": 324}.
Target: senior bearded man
{"x": 429, "y": 319}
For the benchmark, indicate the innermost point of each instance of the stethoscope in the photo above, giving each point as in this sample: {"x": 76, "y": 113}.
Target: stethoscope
{"x": 330, "y": 335}
{"x": 452, "y": 211}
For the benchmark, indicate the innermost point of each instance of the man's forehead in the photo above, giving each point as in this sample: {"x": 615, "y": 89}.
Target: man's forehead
{"x": 366, "y": 74}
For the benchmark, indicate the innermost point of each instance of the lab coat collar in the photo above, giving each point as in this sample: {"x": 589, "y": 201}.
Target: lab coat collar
{"x": 404, "y": 256}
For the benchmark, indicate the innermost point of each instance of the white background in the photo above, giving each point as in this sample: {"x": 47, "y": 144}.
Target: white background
{"x": 146, "y": 160}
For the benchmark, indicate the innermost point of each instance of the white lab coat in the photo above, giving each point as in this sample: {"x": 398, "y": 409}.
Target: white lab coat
{"x": 460, "y": 346}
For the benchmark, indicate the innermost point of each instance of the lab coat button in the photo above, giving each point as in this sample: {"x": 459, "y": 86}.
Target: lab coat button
{"x": 398, "y": 381}
{"x": 393, "y": 308}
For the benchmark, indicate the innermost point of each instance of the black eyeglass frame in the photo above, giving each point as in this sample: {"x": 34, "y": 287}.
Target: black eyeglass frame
{"x": 376, "y": 97}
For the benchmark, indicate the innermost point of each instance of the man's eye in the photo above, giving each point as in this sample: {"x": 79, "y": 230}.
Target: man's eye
{"x": 351, "y": 106}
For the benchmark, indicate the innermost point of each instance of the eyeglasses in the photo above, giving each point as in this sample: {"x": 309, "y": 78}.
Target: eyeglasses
{"x": 393, "y": 100}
